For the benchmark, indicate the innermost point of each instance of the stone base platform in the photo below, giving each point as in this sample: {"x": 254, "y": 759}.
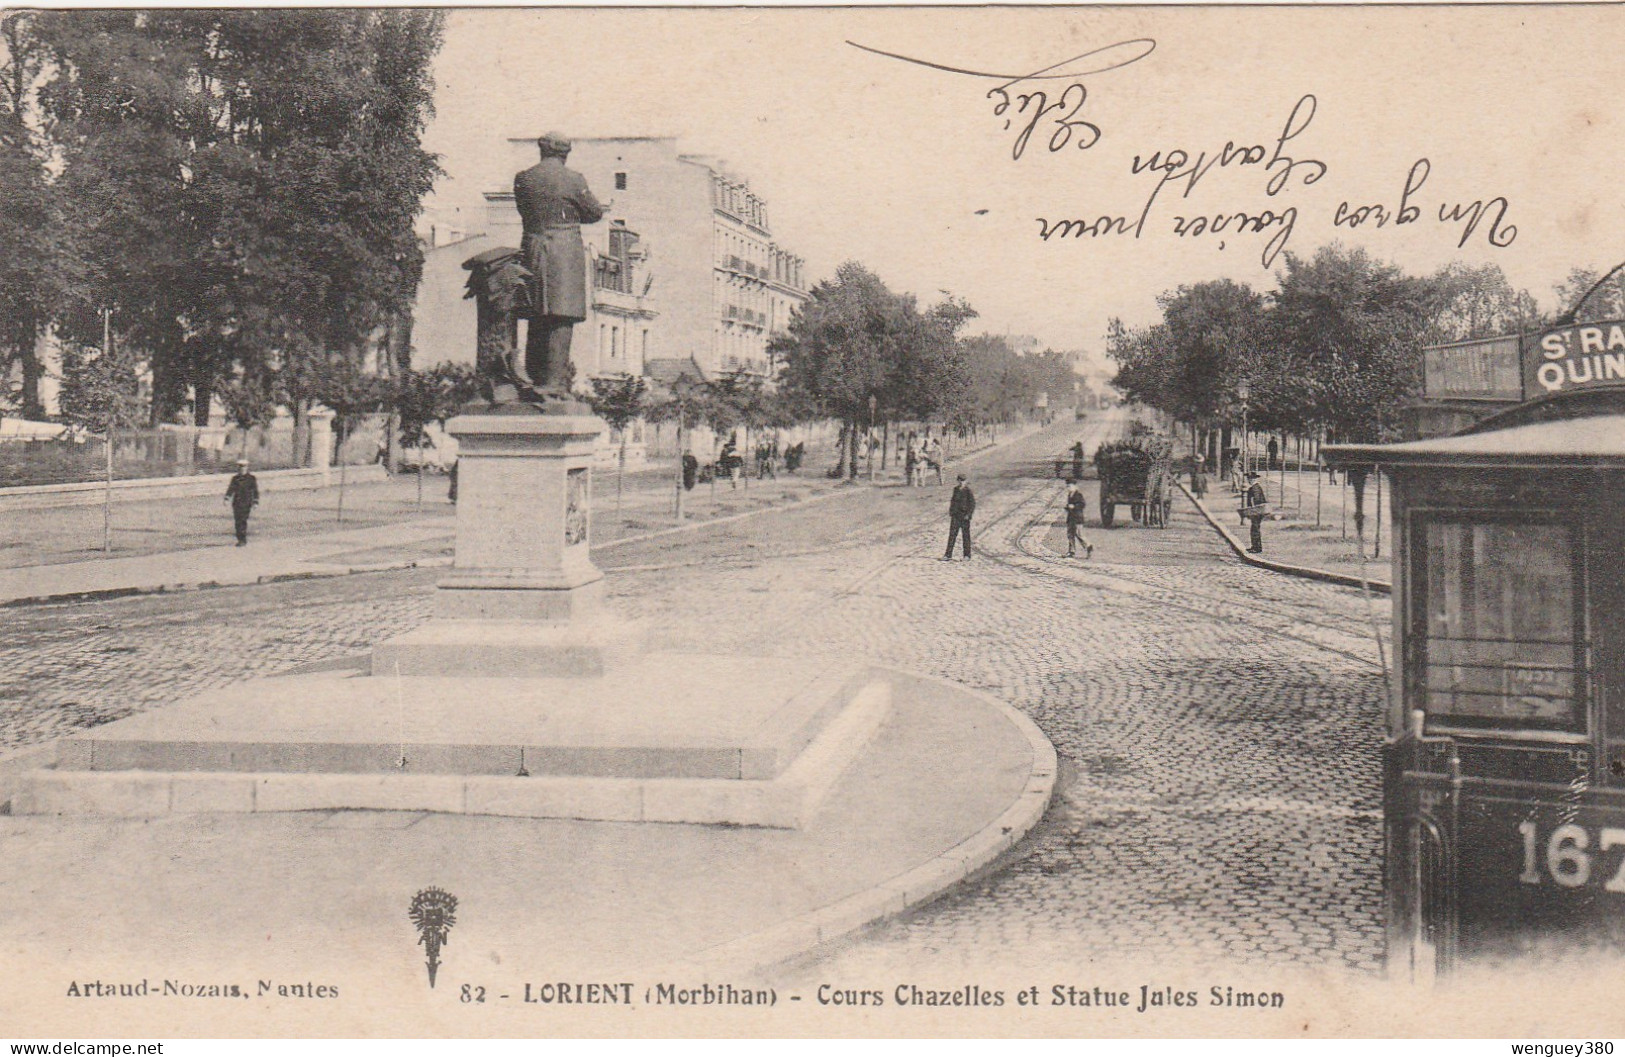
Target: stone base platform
{"x": 664, "y": 738}
{"x": 516, "y": 648}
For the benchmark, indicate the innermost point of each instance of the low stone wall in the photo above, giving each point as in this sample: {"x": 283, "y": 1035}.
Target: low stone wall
{"x": 39, "y": 497}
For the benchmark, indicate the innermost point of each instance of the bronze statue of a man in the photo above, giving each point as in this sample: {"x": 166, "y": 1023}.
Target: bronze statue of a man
{"x": 553, "y": 203}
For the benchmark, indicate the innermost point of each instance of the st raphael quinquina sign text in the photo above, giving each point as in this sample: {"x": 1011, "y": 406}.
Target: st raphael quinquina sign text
{"x": 1513, "y": 368}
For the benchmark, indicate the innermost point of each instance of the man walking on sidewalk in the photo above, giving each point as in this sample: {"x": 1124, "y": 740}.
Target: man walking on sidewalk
{"x": 1255, "y": 509}
{"x": 961, "y": 505}
{"x": 1075, "y": 504}
{"x": 243, "y": 493}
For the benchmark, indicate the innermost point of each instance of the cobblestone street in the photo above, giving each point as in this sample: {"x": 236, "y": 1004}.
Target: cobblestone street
{"x": 1218, "y": 725}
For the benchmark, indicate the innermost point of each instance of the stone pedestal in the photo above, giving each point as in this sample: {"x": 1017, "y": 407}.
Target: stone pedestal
{"x": 520, "y": 696}
{"x": 522, "y": 597}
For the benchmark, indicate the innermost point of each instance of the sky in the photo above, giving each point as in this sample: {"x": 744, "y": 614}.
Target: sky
{"x": 909, "y": 170}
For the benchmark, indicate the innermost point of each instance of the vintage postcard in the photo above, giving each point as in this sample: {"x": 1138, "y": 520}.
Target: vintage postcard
{"x": 813, "y": 521}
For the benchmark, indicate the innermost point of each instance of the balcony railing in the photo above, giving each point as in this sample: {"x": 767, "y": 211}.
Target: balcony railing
{"x": 611, "y": 274}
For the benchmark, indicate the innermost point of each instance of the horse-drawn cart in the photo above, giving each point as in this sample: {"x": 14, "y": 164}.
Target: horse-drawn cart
{"x": 1136, "y": 472}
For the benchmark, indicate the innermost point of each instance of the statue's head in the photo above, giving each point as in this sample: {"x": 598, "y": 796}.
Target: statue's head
{"x": 554, "y": 145}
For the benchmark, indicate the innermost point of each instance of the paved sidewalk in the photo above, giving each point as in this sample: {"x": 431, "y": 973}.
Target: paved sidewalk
{"x": 1291, "y": 560}
{"x": 1313, "y": 527}
{"x": 333, "y": 553}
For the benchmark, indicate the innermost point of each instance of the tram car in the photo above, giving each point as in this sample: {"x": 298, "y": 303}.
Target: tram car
{"x": 1504, "y": 765}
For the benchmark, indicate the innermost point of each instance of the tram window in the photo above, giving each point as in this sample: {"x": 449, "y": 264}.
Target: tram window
{"x": 1500, "y": 648}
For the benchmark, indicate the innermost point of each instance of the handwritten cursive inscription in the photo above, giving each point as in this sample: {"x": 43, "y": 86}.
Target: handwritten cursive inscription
{"x": 1060, "y": 113}
{"x": 1031, "y": 105}
{"x": 1098, "y": 60}
{"x": 1178, "y": 165}
{"x": 1037, "y": 106}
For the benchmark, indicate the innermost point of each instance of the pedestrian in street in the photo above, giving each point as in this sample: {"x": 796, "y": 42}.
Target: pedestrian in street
{"x": 243, "y": 493}
{"x": 961, "y": 507}
{"x": 1274, "y": 450}
{"x": 1077, "y": 461}
{"x": 1198, "y": 476}
{"x": 1075, "y": 505}
{"x": 933, "y": 456}
{"x": 1255, "y": 510}
{"x": 729, "y": 461}
{"x": 691, "y": 470}
{"x": 911, "y": 462}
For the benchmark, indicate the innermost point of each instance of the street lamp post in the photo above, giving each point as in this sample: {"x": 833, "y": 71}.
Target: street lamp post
{"x": 1242, "y": 392}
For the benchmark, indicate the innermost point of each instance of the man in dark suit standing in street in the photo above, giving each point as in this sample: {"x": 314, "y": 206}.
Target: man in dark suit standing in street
{"x": 1257, "y": 505}
{"x": 243, "y": 493}
{"x": 1075, "y": 504}
{"x": 961, "y": 506}
{"x": 553, "y": 203}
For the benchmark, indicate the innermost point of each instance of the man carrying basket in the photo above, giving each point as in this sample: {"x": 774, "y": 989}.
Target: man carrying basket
{"x": 1255, "y": 508}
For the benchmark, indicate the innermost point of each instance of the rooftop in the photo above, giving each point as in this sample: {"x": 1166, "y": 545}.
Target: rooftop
{"x": 1592, "y": 441}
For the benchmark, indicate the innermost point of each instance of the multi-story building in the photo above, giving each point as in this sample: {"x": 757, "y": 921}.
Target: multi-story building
{"x": 621, "y": 313}
{"x": 724, "y": 285}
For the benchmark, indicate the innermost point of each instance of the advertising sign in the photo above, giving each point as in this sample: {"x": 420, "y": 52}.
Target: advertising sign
{"x": 1582, "y": 356}
{"x": 1484, "y": 369}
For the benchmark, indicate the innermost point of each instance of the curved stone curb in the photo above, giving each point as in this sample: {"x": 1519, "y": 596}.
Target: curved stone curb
{"x": 911, "y": 888}
{"x": 1307, "y": 572}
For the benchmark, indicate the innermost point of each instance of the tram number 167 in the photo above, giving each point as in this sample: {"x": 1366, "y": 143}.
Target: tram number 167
{"x": 1568, "y": 858}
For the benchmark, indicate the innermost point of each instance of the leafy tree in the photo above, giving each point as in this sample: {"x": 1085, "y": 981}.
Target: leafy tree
{"x": 619, "y": 402}
{"x": 931, "y": 374}
{"x": 1478, "y": 303}
{"x": 1215, "y": 331}
{"x": 738, "y": 398}
{"x": 835, "y": 348}
{"x": 1145, "y": 363}
{"x": 101, "y": 388}
{"x": 249, "y": 398}
{"x": 855, "y": 341}
{"x": 352, "y": 394}
{"x": 37, "y": 267}
{"x": 422, "y": 398}
{"x": 992, "y": 371}
{"x": 1606, "y": 301}
{"x": 682, "y": 402}
{"x": 244, "y": 182}
{"x": 1356, "y": 326}
{"x": 419, "y": 398}
{"x": 101, "y": 392}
